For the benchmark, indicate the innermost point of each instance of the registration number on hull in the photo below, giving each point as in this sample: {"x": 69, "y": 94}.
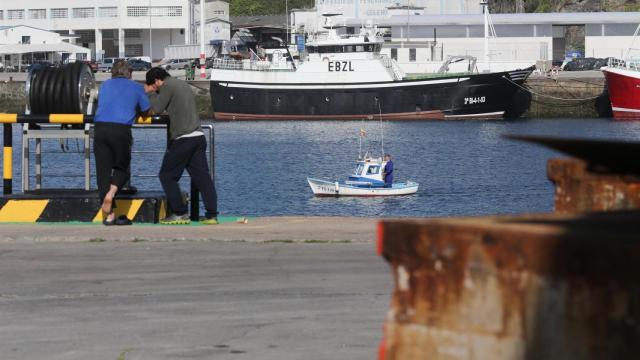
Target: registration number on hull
{"x": 475, "y": 100}
{"x": 335, "y": 66}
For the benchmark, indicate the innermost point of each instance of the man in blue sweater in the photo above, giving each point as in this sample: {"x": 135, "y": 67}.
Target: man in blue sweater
{"x": 119, "y": 102}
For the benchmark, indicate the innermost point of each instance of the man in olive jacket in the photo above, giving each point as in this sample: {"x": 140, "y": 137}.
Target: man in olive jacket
{"x": 187, "y": 146}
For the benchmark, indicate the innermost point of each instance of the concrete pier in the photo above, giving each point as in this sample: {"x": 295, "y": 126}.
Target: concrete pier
{"x": 270, "y": 289}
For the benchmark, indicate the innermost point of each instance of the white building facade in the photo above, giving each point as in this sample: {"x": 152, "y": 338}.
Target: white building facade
{"x": 115, "y": 28}
{"x": 373, "y": 9}
{"x": 23, "y": 44}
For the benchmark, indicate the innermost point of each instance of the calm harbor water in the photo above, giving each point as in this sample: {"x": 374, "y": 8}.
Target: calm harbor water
{"x": 463, "y": 167}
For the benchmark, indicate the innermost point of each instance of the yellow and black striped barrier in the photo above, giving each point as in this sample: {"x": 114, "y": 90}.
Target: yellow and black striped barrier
{"x": 7, "y": 159}
{"x": 145, "y": 207}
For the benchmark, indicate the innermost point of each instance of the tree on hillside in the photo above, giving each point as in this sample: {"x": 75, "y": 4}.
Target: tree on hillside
{"x": 265, "y": 7}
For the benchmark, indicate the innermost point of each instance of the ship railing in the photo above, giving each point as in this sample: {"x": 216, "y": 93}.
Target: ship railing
{"x": 631, "y": 64}
{"x": 392, "y": 67}
{"x": 251, "y": 65}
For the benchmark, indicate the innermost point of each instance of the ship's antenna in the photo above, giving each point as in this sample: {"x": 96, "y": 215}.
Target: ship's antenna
{"x": 363, "y": 133}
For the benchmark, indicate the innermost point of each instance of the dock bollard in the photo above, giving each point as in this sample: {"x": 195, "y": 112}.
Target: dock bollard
{"x": 550, "y": 287}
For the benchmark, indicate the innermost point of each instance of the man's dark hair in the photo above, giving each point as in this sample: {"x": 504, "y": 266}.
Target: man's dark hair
{"x": 156, "y": 73}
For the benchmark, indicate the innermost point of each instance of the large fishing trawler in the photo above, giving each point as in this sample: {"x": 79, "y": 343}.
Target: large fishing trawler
{"x": 345, "y": 77}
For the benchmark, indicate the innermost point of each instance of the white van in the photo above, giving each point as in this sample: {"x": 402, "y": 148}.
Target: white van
{"x": 106, "y": 64}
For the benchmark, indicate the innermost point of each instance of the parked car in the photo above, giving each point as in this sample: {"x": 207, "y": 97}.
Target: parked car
{"x": 92, "y": 65}
{"x": 143, "y": 58}
{"x": 177, "y": 64}
{"x": 139, "y": 65}
{"x": 37, "y": 65}
{"x": 106, "y": 64}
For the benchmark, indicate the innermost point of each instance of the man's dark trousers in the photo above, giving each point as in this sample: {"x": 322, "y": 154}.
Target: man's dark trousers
{"x": 112, "y": 149}
{"x": 188, "y": 153}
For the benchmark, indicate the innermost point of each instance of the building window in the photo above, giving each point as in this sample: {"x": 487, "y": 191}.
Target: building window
{"x": 166, "y": 11}
{"x": 15, "y": 14}
{"x": 109, "y": 34}
{"x": 85, "y": 36}
{"x": 108, "y": 12}
{"x": 59, "y": 13}
{"x": 394, "y": 54}
{"x": 137, "y": 11}
{"x": 412, "y": 54}
{"x": 132, "y": 50}
{"x": 83, "y": 13}
{"x": 26, "y": 40}
{"x": 174, "y": 10}
{"x": 218, "y": 12}
{"x": 156, "y": 11}
{"x": 37, "y": 13}
{"x": 132, "y": 33}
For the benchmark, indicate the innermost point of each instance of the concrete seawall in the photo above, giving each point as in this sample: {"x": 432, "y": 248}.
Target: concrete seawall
{"x": 569, "y": 95}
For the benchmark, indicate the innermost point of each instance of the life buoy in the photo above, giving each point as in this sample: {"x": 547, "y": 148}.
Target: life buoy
{"x": 325, "y": 59}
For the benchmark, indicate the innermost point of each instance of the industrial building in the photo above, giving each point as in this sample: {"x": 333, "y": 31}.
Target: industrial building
{"x": 420, "y": 34}
{"x": 119, "y": 28}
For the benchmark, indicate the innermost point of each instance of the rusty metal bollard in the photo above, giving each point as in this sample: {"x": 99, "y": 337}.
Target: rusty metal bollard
{"x": 578, "y": 190}
{"x": 551, "y": 287}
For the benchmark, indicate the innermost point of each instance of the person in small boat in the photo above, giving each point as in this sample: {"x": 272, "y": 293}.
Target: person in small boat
{"x": 187, "y": 146}
{"x": 387, "y": 173}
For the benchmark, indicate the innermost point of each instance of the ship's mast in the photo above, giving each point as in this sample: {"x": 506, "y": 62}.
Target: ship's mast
{"x": 485, "y": 10}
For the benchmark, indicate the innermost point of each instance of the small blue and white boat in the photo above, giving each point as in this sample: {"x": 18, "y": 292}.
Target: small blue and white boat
{"x": 365, "y": 181}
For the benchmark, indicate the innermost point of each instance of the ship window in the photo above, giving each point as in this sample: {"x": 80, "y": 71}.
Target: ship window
{"x": 412, "y": 54}
{"x": 368, "y": 48}
{"x": 373, "y": 169}
{"x": 394, "y": 54}
{"x": 359, "y": 48}
{"x": 359, "y": 169}
{"x": 311, "y": 49}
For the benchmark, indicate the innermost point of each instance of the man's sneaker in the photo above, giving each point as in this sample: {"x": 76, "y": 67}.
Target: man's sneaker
{"x": 209, "y": 221}
{"x": 174, "y": 219}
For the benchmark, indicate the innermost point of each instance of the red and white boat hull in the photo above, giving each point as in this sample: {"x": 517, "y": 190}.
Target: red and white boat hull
{"x": 624, "y": 92}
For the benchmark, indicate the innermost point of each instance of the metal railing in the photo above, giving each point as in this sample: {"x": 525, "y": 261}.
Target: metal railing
{"x": 251, "y": 65}
{"x": 86, "y": 135}
{"x": 622, "y": 64}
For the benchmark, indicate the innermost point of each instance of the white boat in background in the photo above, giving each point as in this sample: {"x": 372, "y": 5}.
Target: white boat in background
{"x": 368, "y": 177}
{"x": 365, "y": 181}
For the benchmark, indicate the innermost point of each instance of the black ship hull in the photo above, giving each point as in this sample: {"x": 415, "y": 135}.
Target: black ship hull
{"x": 480, "y": 96}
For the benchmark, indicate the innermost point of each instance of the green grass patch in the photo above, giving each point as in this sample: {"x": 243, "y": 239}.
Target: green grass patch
{"x": 327, "y": 241}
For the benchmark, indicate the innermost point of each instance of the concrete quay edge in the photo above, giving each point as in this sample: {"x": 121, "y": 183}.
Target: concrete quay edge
{"x": 259, "y": 230}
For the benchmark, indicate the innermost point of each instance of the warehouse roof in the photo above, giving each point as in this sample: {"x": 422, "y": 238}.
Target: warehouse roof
{"x": 62, "y": 47}
{"x": 512, "y": 19}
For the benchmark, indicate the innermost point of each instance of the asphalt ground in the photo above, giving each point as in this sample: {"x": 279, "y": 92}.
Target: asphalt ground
{"x": 273, "y": 288}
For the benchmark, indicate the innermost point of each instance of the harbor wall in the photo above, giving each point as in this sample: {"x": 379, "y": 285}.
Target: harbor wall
{"x": 12, "y": 98}
{"x": 553, "y": 97}
{"x": 564, "y": 97}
